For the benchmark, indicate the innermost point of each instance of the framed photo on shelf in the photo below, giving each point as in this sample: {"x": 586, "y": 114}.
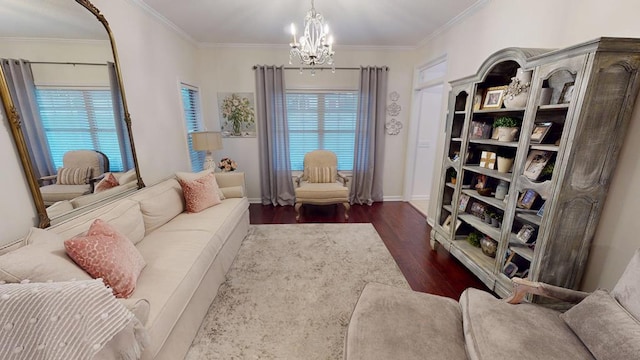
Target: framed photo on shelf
{"x": 464, "y": 201}
{"x": 477, "y": 209}
{"x": 541, "y": 210}
{"x": 477, "y": 100}
{"x": 488, "y": 160}
{"x": 527, "y": 199}
{"x": 540, "y": 130}
{"x": 447, "y": 223}
{"x": 536, "y": 161}
{"x": 480, "y": 130}
{"x": 567, "y": 92}
{"x": 510, "y": 269}
{"x": 494, "y": 97}
{"x": 526, "y": 233}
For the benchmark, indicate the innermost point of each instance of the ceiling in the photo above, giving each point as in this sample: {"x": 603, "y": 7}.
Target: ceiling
{"x": 384, "y": 23}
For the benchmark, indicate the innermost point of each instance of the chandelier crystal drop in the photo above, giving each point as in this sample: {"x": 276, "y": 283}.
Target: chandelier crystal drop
{"x": 315, "y": 47}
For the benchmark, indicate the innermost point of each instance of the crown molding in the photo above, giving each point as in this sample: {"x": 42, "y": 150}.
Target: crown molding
{"x": 460, "y": 17}
{"x": 163, "y": 20}
{"x": 57, "y": 40}
{"x": 204, "y": 45}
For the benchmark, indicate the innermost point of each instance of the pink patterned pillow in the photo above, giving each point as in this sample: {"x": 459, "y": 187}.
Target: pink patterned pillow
{"x": 108, "y": 182}
{"x": 200, "y": 193}
{"x": 105, "y": 253}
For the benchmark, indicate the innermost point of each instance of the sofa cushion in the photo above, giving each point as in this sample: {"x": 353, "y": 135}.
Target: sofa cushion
{"x": 176, "y": 263}
{"x": 109, "y": 181}
{"x": 494, "y": 329}
{"x": 392, "y": 323}
{"x": 73, "y": 176}
{"x": 124, "y": 215}
{"x": 105, "y": 253}
{"x": 318, "y": 174}
{"x": 189, "y": 176}
{"x": 59, "y": 208}
{"x": 126, "y": 177}
{"x": 43, "y": 258}
{"x": 200, "y": 194}
{"x": 605, "y": 327}
{"x": 627, "y": 289}
{"x": 160, "y": 203}
{"x": 220, "y": 219}
{"x": 322, "y": 192}
{"x": 232, "y": 192}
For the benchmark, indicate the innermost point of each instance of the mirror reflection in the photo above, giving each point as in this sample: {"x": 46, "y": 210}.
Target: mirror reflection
{"x": 58, "y": 64}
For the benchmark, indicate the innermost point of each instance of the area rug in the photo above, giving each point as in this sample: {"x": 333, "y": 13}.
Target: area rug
{"x": 291, "y": 290}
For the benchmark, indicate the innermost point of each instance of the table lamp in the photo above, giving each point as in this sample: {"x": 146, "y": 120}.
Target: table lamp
{"x": 207, "y": 141}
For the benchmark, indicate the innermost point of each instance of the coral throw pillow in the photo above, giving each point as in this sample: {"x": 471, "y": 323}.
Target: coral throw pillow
{"x": 105, "y": 253}
{"x": 200, "y": 193}
{"x": 108, "y": 182}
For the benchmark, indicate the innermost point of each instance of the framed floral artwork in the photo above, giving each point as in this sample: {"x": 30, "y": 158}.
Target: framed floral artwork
{"x": 237, "y": 115}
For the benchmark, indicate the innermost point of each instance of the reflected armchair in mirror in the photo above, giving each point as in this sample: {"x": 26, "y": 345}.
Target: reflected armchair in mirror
{"x": 80, "y": 171}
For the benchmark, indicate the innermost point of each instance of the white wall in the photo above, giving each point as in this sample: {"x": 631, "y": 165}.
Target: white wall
{"x": 230, "y": 69}
{"x": 152, "y": 59}
{"x": 556, "y": 24}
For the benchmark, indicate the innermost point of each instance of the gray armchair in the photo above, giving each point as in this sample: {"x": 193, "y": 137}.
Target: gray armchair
{"x": 81, "y": 170}
{"x": 390, "y": 323}
{"x": 321, "y": 183}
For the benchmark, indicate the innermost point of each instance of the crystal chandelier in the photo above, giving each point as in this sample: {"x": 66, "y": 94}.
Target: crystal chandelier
{"x": 315, "y": 47}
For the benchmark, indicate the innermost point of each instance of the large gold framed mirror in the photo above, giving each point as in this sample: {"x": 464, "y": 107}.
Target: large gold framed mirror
{"x": 63, "y": 96}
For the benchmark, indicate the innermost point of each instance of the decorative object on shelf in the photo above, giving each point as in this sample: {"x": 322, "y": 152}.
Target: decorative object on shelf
{"x": 510, "y": 269}
{"x": 315, "y": 47}
{"x": 477, "y": 100}
{"x": 393, "y": 127}
{"x": 545, "y": 96}
{"x": 494, "y": 97}
{"x": 487, "y": 217}
{"x": 507, "y": 128}
{"x": 517, "y": 91}
{"x": 527, "y": 199}
{"x": 477, "y": 209}
{"x": 393, "y": 109}
{"x": 547, "y": 172}
{"x": 237, "y": 111}
{"x": 208, "y": 141}
{"x": 502, "y": 189}
{"x": 394, "y": 96}
{"x": 480, "y": 130}
{"x": 526, "y": 234}
{"x": 488, "y": 160}
{"x": 536, "y": 161}
{"x": 226, "y": 165}
{"x": 496, "y": 220}
{"x": 567, "y": 92}
{"x": 540, "y": 131}
{"x": 447, "y": 223}
{"x": 452, "y": 175}
{"x": 541, "y": 210}
{"x": 505, "y": 164}
{"x": 474, "y": 239}
{"x": 486, "y": 191}
{"x": 489, "y": 246}
{"x": 464, "y": 201}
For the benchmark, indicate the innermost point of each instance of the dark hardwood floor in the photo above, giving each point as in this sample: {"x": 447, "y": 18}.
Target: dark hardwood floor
{"x": 404, "y": 231}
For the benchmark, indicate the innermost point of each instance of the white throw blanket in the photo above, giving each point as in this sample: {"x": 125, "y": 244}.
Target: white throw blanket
{"x": 64, "y": 320}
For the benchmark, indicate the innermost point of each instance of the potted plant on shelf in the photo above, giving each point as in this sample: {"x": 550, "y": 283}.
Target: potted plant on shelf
{"x": 507, "y": 128}
{"x": 452, "y": 175}
{"x": 505, "y": 160}
{"x": 474, "y": 239}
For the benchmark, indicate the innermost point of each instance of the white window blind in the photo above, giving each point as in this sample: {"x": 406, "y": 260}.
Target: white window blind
{"x": 192, "y": 117}
{"x": 75, "y": 119}
{"x": 322, "y": 120}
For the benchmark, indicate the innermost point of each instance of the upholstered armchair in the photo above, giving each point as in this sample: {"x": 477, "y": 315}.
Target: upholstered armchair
{"x": 321, "y": 183}
{"x": 77, "y": 176}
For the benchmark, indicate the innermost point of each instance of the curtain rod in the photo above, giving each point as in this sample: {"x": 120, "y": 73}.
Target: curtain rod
{"x": 318, "y": 68}
{"x": 66, "y": 63}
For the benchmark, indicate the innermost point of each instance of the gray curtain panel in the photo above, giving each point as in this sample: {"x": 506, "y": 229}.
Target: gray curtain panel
{"x": 118, "y": 115}
{"x": 368, "y": 158}
{"x": 23, "y": 93}
{"x": 273, "y": 137}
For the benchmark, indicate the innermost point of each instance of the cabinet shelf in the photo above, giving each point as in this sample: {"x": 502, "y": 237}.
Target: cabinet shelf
{"x": 451, "y": 185}
{"x": 494, "y": 142}
{"x": 529, "y": 217}
{"x": 481, "y": 226}
{"x": 456, "y": 139}
{"x": 449, "y": 208}
{"x": 486, "y": 199}
{"x": 545, "y": 147}
{"x": 500, "y": 111}
{"x": 460, "y": 112}
{"x": 485, "y": 262}
{"x": 489, "y": 172}
{"x": 520, "y": 248}
{"x": 553, "y": 107}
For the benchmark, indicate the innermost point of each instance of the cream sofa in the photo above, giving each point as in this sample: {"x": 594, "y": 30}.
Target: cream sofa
{"x": 187, "y": 255}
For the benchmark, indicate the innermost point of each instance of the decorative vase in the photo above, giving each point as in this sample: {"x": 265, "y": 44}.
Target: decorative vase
{"x": 502, "y": 189}
{"x": 545, "y": 96}
{"x": 488, "y": 246}
{"x": 507, "y": 133}
{"x": 518, "y": 91}
{"x": 504, "y": 164}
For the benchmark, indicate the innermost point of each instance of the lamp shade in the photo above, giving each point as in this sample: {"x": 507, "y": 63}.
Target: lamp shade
{"x": 206, "y": 140}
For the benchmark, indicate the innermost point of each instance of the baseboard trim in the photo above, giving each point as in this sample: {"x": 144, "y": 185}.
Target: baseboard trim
{"x": 384, "y": 198}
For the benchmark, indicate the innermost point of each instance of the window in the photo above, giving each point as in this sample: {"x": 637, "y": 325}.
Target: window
{"x": 193, "y": 119}
{"x": 322, "y": 120}
{"x": 79, "y": 119}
